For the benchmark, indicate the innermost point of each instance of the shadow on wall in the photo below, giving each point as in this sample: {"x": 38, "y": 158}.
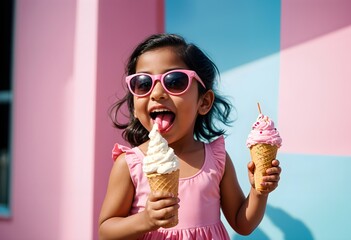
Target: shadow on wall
{"x": 291, "y": 228}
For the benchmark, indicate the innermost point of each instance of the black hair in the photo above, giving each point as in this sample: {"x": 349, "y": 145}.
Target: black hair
{"x": 196, "y": 60}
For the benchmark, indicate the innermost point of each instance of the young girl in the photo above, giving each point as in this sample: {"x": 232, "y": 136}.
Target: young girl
{"x": 173, "y": 81}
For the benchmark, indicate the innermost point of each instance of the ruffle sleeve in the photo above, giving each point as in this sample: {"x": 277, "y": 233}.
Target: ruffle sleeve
{"x": 133, "y": 159}
{"x": 117, "y": 150}
{"x": 219, "y": 153}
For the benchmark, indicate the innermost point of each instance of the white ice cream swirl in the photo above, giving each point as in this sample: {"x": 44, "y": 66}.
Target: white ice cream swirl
{"x": 160, "y": 158}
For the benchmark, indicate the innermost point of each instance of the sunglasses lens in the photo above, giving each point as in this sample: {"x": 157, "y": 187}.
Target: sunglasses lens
{"x": 141, "y": 84}
{"x": 176, "y": 82}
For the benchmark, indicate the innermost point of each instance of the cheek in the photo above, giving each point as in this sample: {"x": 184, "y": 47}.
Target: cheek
{"x": 189, "y": 105}
{"x": 140, "y": 107}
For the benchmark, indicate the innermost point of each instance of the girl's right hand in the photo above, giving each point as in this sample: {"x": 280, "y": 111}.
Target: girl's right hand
{"x": 160, "y": 209}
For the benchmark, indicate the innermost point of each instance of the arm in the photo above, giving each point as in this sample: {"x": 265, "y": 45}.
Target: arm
{"x": 115, "y": 221}
{"x": 245, "y": 214}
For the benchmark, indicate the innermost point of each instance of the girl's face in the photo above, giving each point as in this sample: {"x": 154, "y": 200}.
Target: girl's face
{"x": 176, "y": 115}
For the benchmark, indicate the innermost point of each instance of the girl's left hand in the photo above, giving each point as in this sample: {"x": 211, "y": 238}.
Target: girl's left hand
{"x": 271, "y": 180}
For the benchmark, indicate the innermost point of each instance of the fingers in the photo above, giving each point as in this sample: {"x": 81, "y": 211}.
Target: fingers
{"x": 275, "y": 162}
{"x": 161, "y": 208}
{"x": 161, "y": 199}
{"x": 275, "y": 169}
{"x": 269, "y": 186}
{"x": 155, "y": 196}
{"x": 251, "y": 166}
{"x": 271, "y": 180}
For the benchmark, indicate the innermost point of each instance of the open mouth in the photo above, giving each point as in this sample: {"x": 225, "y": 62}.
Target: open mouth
{"x": 163, "y": 117}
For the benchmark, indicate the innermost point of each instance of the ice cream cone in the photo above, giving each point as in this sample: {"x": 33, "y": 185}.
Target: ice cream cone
{"x": 168, "y": 183}
{"x": 262, "y": 155}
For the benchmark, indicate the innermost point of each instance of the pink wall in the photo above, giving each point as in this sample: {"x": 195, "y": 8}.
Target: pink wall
{"x": 43, "y": 71}
{"x": 315, "y": 78}
{"x": 307, "y": 20}
{"x": 68, "y": 61}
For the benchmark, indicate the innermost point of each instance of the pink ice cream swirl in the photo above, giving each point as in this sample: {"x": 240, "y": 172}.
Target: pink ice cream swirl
{"x": 263, "y": 131}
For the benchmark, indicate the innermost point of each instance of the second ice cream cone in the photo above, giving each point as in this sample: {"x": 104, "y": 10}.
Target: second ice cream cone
{"x": 263, "y": 142}
{"x": 262, "y": 155}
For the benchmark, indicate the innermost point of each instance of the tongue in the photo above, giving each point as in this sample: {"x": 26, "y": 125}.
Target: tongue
{"x": 163, "y": 121}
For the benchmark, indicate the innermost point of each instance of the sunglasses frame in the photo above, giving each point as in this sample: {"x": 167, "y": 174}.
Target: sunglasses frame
{"x": 160, "y": 77}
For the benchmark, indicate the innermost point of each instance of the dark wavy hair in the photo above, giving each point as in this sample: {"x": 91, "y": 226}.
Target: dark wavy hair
{"x": 196, "y": 60}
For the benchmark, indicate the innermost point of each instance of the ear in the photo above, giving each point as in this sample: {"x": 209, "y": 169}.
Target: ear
{"x": 206, "y": 102}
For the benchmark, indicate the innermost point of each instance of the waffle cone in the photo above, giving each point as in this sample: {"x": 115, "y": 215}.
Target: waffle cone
{"x": 262, "y": 155}
{"x": 167, "y": 183}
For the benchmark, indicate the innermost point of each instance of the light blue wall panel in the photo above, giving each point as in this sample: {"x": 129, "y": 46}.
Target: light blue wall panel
{"x": 232, "y": 32}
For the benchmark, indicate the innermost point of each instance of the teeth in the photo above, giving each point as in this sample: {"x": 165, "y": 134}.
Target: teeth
{"x": 155, "y": 112}
{"x": 160, "y": 110}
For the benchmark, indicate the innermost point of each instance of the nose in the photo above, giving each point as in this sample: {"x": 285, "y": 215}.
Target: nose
{"x": 158, "y": 92}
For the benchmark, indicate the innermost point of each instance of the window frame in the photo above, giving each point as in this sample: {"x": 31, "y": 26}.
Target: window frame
{"x": 7, "y": 12}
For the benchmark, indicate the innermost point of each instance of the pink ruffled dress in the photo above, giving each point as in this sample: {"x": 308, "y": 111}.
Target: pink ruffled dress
{"x": 199, "y": 212}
